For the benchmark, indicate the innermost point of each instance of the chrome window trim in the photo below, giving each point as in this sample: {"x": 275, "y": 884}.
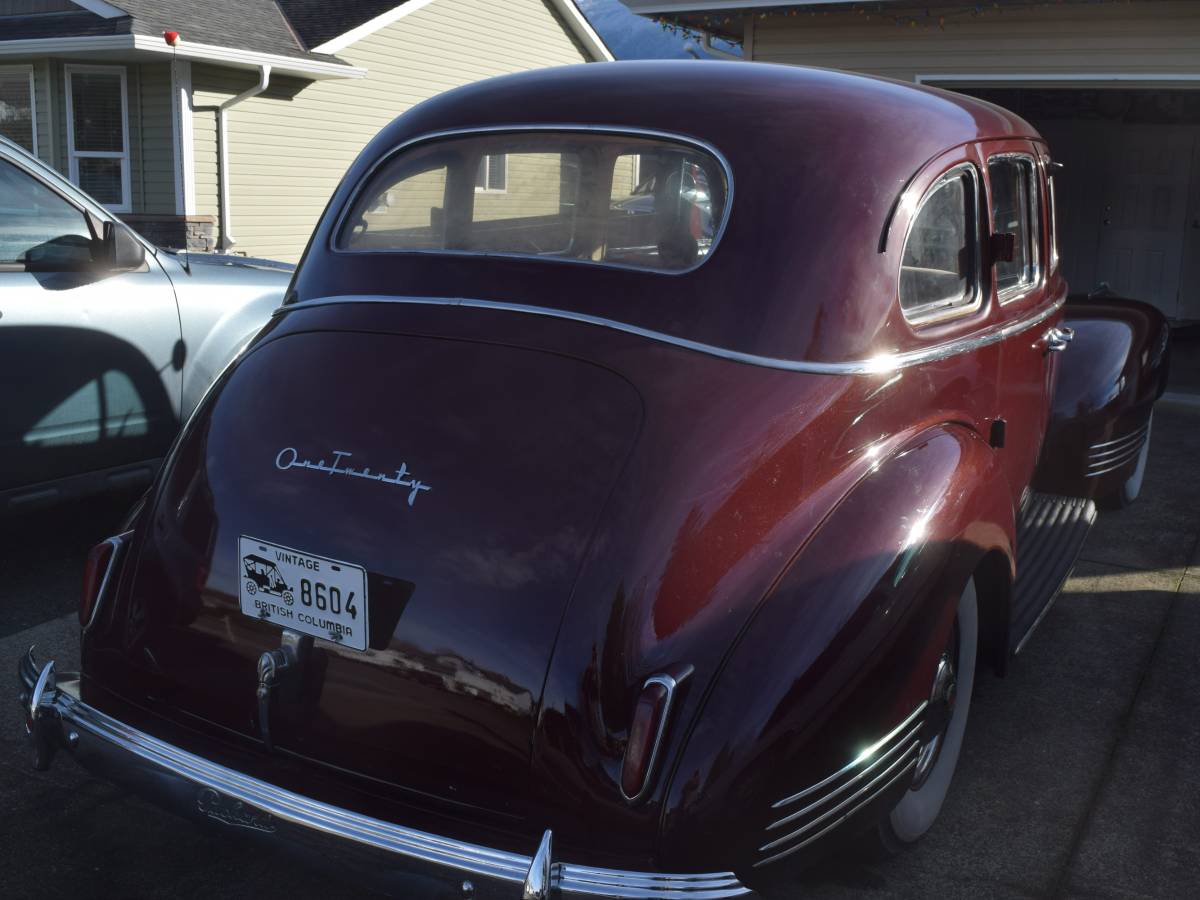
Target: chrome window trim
{"x": 1023, "y": 289}
{"x": 881, "y": 363}
{"x": 941, "y": 311}
{"x": 331, "y": 245}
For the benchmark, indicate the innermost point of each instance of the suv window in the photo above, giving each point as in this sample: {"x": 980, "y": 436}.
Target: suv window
{"x": 1014, "y": 211}
{"x": 938, "y": 273}
{"x": 617, "y": 199}
{"x": 37, "y": 226}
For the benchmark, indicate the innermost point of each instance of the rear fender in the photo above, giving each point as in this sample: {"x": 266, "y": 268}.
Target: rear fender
{"x": 1105, "y": 386}
{"x": 845, "y": 647}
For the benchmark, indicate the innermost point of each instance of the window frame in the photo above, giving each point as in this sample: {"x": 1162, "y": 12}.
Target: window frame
{"x": 1051, "y": 217}
{"x": 1021, "y": 289}
{"x": 486, "y": 187}
{"x": 933, "y": 313}
{"x": 332, "y": 240}
{"x": 28, "y": 71}
{"x": 74, "y": 155}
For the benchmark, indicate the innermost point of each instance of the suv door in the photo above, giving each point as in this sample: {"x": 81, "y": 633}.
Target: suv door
{"x": 89, "y": 375}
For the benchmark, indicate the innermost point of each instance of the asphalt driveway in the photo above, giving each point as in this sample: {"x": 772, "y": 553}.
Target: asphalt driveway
{"x": 1078, "y": 776}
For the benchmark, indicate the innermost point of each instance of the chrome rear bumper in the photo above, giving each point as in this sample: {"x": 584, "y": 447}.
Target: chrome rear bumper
{"x": 423, "y": 864}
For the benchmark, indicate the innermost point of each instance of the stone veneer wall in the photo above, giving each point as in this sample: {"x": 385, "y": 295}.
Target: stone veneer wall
{"x": 175, "y": 232}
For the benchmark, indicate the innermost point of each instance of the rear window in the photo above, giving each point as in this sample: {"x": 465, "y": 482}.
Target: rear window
{"x": 612, "y": 199}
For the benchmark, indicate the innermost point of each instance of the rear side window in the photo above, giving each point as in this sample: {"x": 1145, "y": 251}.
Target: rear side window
{"x": 621, "y": 200}
{"x": 939, "y": 270}
{"x": 1014, "y": 184}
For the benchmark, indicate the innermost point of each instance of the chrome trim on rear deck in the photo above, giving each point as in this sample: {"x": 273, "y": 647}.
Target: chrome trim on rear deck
{"x": 884, "y": 362}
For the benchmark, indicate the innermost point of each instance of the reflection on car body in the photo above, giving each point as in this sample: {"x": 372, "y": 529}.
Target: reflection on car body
{"x": 729, "y": 511}
{"x": 106, "y": 342}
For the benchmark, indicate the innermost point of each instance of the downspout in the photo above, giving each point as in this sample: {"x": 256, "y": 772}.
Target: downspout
{"x": 707, "y": 44}
{"x": 264, "y": 79}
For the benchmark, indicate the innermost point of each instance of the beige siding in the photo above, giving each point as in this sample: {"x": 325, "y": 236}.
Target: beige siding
{"x": 291, "y": 145}
{"x": 1139, "y": 38}
{"x": 156, "y": 146}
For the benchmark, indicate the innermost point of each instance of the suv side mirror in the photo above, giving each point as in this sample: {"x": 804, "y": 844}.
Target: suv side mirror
{"x": 120, "y": 251}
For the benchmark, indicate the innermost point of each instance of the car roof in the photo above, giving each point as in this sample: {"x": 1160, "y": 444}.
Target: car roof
{"x": 819, "y": 161}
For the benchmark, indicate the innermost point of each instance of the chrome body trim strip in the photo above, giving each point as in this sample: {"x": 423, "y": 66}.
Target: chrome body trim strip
{"x": 615, "y": 130}
{"x": 1116, "y": 453}
{"x": 834, "y": 824}
{"x": 884, "y": 362}
{"x": 887, "y": 776}
{"x": 903, "y": 744}
{"x": 111, "y": 747}
{"x": 861, "y": 758}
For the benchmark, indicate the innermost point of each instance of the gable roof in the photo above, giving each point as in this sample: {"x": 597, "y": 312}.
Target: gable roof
{"x": 296, "y": 36}
{"x": 318, "y": 21}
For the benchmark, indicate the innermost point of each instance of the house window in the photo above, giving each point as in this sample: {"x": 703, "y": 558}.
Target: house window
{"x": 1014, "y": 211}
{"x": 493, "y": 173}
{"x": 938, "y": 273}
{"x": 18, "y": 120}
{"x": 98, "y": 133}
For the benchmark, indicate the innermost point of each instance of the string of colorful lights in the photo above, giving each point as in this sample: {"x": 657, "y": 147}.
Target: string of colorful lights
{"x": 916, "y": 16}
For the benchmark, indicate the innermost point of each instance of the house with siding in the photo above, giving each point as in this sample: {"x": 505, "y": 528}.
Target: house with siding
{"x": 1113, "y": 85}
{"x": 234, "y": 138}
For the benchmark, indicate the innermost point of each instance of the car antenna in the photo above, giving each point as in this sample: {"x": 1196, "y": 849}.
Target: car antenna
{"x": 172, "y": 39}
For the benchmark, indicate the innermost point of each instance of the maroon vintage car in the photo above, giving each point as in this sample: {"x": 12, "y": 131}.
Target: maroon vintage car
{"x": 621, "y": 501}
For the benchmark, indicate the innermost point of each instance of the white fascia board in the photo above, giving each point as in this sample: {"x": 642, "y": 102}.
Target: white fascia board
{"x": 659, "y": 7}
{"x": 309, "y": 68}
{"x": 383, "y": 20}
{"x": 101, "y": 9}
{"x": 583, "y": 30}
{"x": 286, "y": 65}
{"x": 66, "y": 44}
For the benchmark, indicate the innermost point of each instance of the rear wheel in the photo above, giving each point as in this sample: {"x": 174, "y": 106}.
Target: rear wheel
{"x": 937, "y": 759}
{"x": 251, "y": 587}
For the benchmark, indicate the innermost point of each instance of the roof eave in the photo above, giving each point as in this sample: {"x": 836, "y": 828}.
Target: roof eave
{"x": 570, "y": 12}
{"x": 146, "y": 44}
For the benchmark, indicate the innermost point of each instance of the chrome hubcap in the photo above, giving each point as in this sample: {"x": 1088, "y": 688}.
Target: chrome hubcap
{"x": 940, "y": 712}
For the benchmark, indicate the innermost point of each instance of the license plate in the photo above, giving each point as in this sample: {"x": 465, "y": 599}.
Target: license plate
{"x": 326, "y": 598}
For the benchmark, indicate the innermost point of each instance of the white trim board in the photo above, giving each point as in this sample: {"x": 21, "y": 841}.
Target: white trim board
{"x": 285, "y": 65}
{"x": 28, "y": 70}
{"x": 73, "y": 155}
{"x": 570, "y": 12}
{"x": 383, "y": 20}
{"x": 183, "y": 137}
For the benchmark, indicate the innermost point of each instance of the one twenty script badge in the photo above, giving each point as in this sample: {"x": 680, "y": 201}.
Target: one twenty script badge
{"x": 289, "y": 458}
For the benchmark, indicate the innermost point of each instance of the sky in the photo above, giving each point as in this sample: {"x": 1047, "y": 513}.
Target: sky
{"x": 631, "y": 36}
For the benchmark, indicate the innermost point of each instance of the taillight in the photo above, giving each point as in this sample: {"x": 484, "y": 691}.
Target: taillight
{"x": 101, "y": 562}
{"x": 650, "y": 716}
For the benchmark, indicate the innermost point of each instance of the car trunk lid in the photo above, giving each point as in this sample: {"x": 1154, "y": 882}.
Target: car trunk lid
{"x": 464, "y": 479}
